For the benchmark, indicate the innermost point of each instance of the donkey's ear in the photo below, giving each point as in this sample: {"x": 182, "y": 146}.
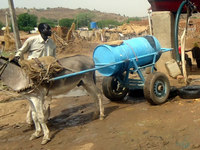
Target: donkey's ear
{"x": 3, "y": 57}
{"x": 14, "y": 60}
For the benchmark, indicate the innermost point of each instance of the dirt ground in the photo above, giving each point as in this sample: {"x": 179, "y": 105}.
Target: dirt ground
{"x": 132, "y": 124}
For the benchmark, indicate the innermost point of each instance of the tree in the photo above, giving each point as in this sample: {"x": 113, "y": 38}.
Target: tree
{"x": 133, "y": 19}
{"x": 26, "y": 22}
{"x": 84, "y": 19}
{"x": 108, "y": 23}
{"x": 51, "y": 22}
{"x": 66, "y": 22}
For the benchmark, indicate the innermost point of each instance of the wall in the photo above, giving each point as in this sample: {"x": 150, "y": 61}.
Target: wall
{"x": 163, "y": 29}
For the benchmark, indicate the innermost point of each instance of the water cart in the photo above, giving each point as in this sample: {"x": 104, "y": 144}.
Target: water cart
{"x": 120, "y": 63}
{"x": 124, "y": 65}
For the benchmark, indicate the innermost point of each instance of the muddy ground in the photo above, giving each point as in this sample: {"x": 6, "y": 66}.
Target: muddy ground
{"x": 132, "y": 124}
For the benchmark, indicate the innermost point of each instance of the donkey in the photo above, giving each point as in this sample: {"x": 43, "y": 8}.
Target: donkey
{"x": 14, "y": 77}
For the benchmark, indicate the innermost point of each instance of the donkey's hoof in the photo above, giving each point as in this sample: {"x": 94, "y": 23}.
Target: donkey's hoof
{"x": 95, "y": 115}
{"x": 33, "y": 137}
{"x": 45, "y": 141}
{"x": 101, "y": 117}
{"x": 30, "y": 122}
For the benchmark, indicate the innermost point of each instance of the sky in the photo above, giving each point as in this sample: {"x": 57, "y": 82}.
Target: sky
{"x": 131, "y": 8}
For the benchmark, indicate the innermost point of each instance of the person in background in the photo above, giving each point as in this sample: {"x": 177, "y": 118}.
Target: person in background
{"x": 187, "y": 59}
{"x": 196, "y": 54}
{"x": 38, "y": 46}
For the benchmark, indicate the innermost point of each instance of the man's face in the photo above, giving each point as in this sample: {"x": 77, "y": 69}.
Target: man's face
{"x": 47, "y": 30}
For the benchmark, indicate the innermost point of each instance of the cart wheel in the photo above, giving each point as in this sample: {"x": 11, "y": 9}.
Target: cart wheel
{"x": 156, "y": 88}
{"x": 112, "y": 90}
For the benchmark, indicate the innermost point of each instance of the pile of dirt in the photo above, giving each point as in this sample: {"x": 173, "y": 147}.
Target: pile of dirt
{"x": 85, "y": 43}
{"x": 131, "y": 28}
{"x": 78, "y": 46}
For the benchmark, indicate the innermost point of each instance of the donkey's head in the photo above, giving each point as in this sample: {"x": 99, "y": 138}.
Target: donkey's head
{"x": 12, "y": 75}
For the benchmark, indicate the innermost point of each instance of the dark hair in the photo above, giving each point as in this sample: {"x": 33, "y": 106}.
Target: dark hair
{"x": 42, "y": 26}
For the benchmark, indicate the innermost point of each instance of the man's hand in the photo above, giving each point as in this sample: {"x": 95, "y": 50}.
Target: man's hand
{"x": 16, "y": 59}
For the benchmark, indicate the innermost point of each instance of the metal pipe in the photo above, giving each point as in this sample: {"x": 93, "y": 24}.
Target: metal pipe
{"x": 103, "y": 65}
{"x": 85, "y": 71}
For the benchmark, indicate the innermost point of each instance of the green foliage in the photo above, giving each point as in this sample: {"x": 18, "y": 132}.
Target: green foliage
{"x": 66, "y": 22}
{"x": 1, "y": 24}
{"x": 7, "y": 54}
{"x": 84, "y": 19}
{"x": 51, "y": 22}
{"x": 108, "y": 23}
{"x": 133, "y": 19}
{"x": 26, "y": 22}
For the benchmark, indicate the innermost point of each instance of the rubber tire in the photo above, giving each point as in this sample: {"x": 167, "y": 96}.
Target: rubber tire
{"x": 173, "y": 93}
{"x": 149, "y": 88}
{"x": 109, "y": 89}
{"x": 189, "y": 92}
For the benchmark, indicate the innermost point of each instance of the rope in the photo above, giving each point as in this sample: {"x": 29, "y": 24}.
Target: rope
{"x": 3, "y": 67}
{"x": 132, "y": 50}
{"x": 46, "y": 76}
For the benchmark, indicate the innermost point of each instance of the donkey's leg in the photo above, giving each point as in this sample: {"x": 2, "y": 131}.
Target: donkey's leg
{"x": 46, "y": 107}
{"x": 33, "y": 113}
{"x": 37, "y": 132}
{"x": 46, "y": 137}
{"x": 97, "y": 95}
{"x": 29, "y": 118}
{"x": 38, "y": 103}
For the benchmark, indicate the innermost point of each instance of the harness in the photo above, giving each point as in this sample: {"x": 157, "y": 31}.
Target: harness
{"x": 46, "y": 77}
{"x": 3, "y": 67}
{"x": 41, "y": 70}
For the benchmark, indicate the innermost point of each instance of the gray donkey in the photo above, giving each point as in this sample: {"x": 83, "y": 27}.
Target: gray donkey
{"x": 39, "y": 98}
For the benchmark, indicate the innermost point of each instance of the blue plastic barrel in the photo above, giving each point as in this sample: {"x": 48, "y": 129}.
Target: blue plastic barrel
{"x": 139, "y": 49}
{"x": 93, "y": 25}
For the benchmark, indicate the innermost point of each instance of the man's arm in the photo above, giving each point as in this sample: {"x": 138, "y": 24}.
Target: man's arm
{"x": 24, "y": 48}
{"x": 188, "y": 50}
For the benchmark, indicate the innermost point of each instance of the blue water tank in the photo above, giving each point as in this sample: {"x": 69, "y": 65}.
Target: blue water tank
{"x": 132, "y": 48}
{"x": 93, "y": 25}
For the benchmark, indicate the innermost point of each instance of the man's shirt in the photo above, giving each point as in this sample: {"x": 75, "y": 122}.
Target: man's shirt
{"x": 36, "y": 47}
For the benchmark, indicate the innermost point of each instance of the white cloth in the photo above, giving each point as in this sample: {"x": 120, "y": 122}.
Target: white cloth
{"x": 36, "y": 47}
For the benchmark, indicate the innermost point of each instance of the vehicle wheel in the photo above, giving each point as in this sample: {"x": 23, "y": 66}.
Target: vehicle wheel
{"x": 189, "y": 92}
{"x": 156, "y": 88}
{"x": 112, "y": 89}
